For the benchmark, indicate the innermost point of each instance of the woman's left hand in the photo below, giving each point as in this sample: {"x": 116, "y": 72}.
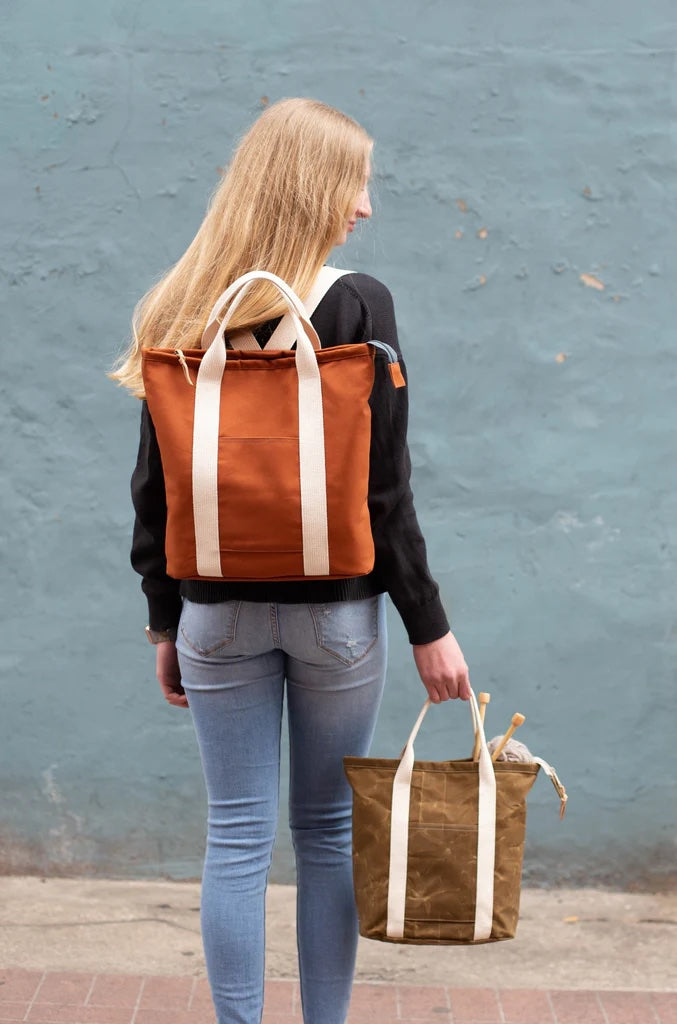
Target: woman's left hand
{"x": 169, "y": 674}
{"x": 442, "y": 668}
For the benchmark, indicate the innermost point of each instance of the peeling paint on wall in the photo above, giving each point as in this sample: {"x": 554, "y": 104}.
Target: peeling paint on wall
{"x": 592, "y": 282}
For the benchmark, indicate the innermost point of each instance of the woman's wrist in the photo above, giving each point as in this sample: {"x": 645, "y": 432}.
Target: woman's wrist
{"x": 161, "y": 636}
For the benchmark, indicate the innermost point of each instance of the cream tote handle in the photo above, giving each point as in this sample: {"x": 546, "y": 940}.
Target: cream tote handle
{"x": 486, "y": 833}
{"x": 294, "y": 305}
{"x": 312, "y": 466}
{"x": 284, "y": 335}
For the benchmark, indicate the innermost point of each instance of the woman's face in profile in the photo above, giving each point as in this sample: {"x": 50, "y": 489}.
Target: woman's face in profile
{"x": 362, "y": 210}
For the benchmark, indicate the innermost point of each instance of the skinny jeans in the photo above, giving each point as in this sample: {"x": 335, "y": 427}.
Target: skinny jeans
{"x": 237, "y": 658}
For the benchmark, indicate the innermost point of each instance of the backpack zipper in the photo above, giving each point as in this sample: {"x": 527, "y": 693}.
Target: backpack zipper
{"x": 396, "y": 374}
{"x": 388, "y": 349}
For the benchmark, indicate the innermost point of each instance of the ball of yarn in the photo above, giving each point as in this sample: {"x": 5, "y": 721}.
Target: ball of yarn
{"x": 512, "y": 751}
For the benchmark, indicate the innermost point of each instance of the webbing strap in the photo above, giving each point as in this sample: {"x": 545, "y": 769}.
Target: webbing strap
{"x": 284, "y": 335}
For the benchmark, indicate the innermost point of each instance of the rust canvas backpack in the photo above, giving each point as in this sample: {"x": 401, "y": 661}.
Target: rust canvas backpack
{"x": 265, "y": 452}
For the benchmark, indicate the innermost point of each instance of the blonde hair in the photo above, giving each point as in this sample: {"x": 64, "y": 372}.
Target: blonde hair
{"x": 290, "y": 187}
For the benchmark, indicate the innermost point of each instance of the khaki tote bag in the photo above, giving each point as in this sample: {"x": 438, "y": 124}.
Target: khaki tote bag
{"x": 265, "y": 453}
{"x": 437, "y": 845}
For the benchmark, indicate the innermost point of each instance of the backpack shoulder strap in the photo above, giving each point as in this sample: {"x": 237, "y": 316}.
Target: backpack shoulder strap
{"x": 284, "y": 335}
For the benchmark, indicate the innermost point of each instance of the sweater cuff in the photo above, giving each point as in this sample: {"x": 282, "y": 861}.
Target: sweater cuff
{"x": 425, "y": 623}
{"x": 164, "y": 608}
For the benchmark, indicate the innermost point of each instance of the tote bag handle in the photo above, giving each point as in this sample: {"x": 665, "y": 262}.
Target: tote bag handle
{"x": 486, "y": 833}
{"x": 312, "y": 468}
{"x": 241, "y": 285}
{"x": 283, "y": 337}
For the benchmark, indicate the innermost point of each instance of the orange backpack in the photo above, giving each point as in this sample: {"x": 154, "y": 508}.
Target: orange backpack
{"x": 265, "y": 452}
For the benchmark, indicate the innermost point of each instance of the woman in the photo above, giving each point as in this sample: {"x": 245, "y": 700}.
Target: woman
{"x": 296, "y": 187}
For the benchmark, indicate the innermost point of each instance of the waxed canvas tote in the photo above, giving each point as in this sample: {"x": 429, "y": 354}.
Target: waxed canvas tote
{"x": 265, "y": 453}
{"x": 437, "y": 845}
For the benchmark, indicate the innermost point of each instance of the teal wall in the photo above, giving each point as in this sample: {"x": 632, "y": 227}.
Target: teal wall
{"x": 524, "y": 220}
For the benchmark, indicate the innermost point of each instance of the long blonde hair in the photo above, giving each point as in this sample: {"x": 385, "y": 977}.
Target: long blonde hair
{"x": 290, "y": 187}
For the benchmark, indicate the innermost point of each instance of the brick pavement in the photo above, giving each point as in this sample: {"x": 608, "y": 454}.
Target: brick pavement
{"x": 83, "y": 998}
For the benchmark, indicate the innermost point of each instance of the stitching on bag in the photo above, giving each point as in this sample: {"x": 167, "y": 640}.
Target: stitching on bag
{"x": 439, "y": 920}
{"x": 441, "y": 828}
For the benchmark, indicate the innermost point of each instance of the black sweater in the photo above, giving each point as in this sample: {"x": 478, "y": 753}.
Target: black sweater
{"x": 356, "y": 308}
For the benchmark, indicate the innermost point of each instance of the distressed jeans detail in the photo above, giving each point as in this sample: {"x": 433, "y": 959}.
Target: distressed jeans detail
{"x": 237, "y": 659}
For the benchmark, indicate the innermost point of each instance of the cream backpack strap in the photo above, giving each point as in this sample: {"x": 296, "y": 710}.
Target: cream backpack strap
{"x": 284, "y": 335}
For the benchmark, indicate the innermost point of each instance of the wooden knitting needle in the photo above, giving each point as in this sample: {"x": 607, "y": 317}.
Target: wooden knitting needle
{"x": 483, "y": 699}
{"x": 517, "y": 720}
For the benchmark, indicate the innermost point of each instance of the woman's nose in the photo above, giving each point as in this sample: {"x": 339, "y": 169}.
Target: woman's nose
{"x": 364, "y": 207}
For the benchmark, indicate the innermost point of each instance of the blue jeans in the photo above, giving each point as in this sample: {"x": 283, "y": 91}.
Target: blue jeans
{"x": 235, "y": 658}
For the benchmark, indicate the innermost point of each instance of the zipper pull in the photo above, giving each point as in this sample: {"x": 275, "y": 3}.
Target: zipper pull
{"x": 184, "y": 365}
{"x": 396, "y": 374}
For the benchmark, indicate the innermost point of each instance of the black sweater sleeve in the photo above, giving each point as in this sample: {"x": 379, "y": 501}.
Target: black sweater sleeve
{"x": 148, "y": 542}
{"x": 401, "y": 557}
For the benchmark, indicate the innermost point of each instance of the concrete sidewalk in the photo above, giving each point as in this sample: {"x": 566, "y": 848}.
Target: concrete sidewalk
{"x": 119, "y": 952}
{"x": 567, "y": 938}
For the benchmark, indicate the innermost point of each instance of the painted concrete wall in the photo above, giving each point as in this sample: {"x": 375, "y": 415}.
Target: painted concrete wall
{"x": 525, "y": 211}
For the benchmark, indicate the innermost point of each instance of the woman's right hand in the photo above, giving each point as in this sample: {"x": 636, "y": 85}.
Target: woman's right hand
{"x": 169, "y": 674}
{"x": 442, "y": 668}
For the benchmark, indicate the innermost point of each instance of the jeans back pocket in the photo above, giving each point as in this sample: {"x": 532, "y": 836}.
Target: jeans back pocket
{"x": 208, "y": 628}
{"x": 346, "y": 629}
